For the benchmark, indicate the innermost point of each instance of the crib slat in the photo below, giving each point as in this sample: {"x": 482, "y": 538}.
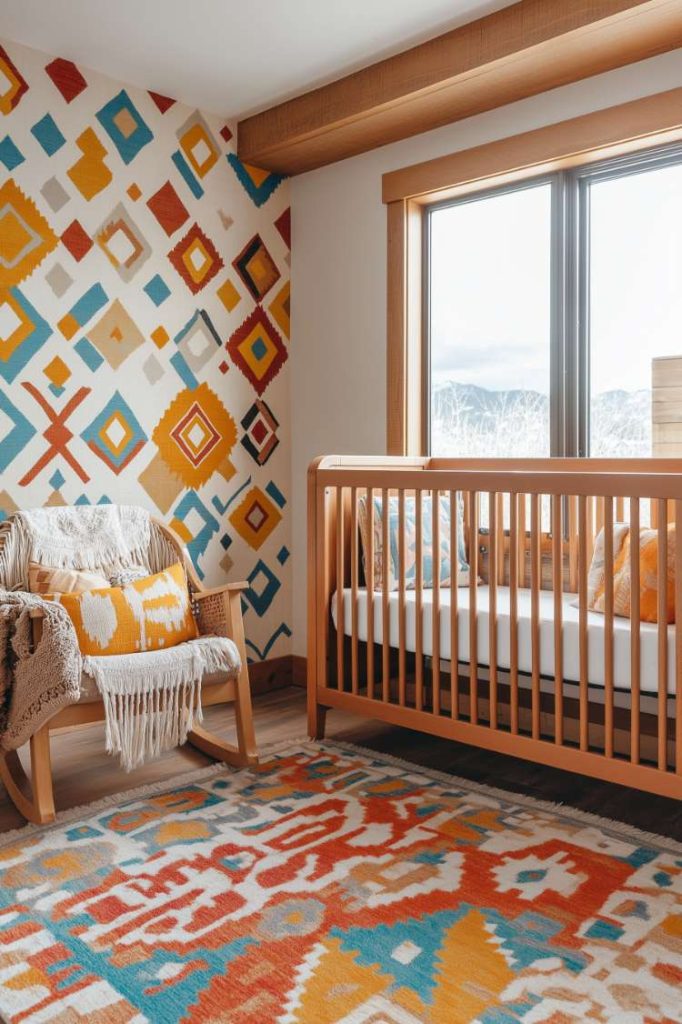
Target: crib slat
{"x": 582, "y": 621}
{"x": 500, "y": 544}
{"x": 635, "y": 639}
{"x": 454, "y": 596}
{"x": 535, "y": 612}
{"x": 492, "y": 606}
{"x": 418, "y": 595}
{"x": 662, "y": 615}
{"x": 557, "y": 585}
{"x": 678, "y": 637}
{"x": 401, "y": 597}
{"x": 514, "y": 612}
{"x": 572, "y": 544}
{"x": 473, "y": 614}
{"x": 435, "y": 609}
{"x": 354, "y": 587}
{"x": 340, "y": 562}
{"x": 608, "y": 626}
{"x": 370, "y": 593}
{"x": 521, "y": 540}
{"x": 385, "y": 624}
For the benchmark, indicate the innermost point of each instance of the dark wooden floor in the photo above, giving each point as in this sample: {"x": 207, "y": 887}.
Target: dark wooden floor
{"x": 83, "y": 772}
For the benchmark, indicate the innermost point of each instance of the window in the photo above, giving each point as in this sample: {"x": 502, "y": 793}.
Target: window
{"x": 546, "y": 303}
{"x": 490, "y": 324}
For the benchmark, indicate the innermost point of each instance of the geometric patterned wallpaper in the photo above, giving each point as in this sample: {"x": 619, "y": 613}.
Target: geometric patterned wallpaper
{"x": 144, "y": 323}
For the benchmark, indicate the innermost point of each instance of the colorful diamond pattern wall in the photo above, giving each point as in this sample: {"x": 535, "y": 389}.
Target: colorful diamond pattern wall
{"x": 144, "y": 322}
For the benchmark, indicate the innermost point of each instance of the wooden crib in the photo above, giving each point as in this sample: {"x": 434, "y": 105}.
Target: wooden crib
{"x": 515, "y": 661}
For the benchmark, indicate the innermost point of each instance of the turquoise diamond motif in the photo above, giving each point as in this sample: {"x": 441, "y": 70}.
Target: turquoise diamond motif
{"x": 115, "y": 435}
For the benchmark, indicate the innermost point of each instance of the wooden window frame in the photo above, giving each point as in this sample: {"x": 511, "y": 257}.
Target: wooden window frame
{"x": 409, "y": 192}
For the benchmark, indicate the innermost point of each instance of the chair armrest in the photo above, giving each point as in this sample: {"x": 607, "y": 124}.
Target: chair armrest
{"x": 37, "y": 616}
{"x": 218, "y": 610}
{"x": 226, "y": 588}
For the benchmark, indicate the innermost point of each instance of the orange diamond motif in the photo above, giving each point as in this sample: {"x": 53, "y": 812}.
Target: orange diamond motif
{"x": 195, "y": 435}
{"x": 57, "y": 372}
{"x": 25, "y": 236}
{"x": 196, "y": 259}
{"x": 255, "y": 517}
{"x": 16, "y": 326}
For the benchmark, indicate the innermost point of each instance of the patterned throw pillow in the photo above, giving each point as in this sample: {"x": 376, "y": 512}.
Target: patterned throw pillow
{"x": 411, "y": 543}
{"x": 143, "y": 616}
{"x": 44, "y": 579}
{"x": 648, "y": 574}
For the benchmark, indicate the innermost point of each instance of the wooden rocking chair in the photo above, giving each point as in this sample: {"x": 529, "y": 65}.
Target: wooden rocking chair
{"x": 217, "y": 612}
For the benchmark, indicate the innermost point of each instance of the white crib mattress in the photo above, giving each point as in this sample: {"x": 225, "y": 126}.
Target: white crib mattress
{"x": 570, "y": 615}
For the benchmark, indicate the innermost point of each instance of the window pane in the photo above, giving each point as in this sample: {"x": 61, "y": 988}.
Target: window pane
{"x": 490, "y": 325}
{"x": 635, "y": 302}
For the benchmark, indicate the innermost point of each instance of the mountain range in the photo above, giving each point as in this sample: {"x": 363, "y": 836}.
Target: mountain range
{"x": 468, "y": 401}
{"x": 474, "y": 420}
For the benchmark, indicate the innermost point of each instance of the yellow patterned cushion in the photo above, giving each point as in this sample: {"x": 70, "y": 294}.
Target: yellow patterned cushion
{"x": 145, "y": 615}
{"x": 648, "y": 574}
{"x": 45, "y": 579}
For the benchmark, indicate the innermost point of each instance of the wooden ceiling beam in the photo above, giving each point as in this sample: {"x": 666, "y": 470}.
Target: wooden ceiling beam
{"x": 520, "y": 51}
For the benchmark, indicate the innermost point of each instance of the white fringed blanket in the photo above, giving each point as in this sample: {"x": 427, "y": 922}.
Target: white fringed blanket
{"x": 97, "y": 537}
{"x": 150, "y": 699}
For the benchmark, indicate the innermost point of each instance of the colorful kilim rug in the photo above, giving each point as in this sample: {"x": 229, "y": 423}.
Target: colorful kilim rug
{"x": 334, "y": 886}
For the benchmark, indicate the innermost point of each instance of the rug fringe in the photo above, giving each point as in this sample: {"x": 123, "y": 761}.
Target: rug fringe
{"x": 573, "y": 815}
{"x": 70, "y": 814}
{"x": 566, "y": 811}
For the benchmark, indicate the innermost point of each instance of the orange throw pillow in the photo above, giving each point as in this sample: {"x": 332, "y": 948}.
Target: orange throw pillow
{"x": 648, "y": 574}
{"x": 45, "y": 579}
{"x": 145, "y": 615}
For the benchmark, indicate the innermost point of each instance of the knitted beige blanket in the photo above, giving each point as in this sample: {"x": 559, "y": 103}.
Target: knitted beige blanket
{"x": 34, "y": 684}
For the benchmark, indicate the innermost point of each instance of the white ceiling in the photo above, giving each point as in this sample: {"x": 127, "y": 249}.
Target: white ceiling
{"x": 231, "y": 57}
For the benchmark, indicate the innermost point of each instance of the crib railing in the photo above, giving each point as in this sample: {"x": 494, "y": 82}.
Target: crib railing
{"x": 529, "y": 529}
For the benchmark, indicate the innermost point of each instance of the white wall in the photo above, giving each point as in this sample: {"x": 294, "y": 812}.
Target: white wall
{"x": 339, "y": 278}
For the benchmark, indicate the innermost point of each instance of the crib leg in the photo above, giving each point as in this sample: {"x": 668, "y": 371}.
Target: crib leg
{"x": 317, "y": 720}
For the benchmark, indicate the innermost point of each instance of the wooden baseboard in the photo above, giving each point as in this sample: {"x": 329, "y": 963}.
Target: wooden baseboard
{"x": 272, "y": 674}
{"x": 299, "y": 670}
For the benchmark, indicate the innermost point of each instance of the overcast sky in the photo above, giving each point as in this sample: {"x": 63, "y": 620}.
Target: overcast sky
{"x": 490, "y": 285}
